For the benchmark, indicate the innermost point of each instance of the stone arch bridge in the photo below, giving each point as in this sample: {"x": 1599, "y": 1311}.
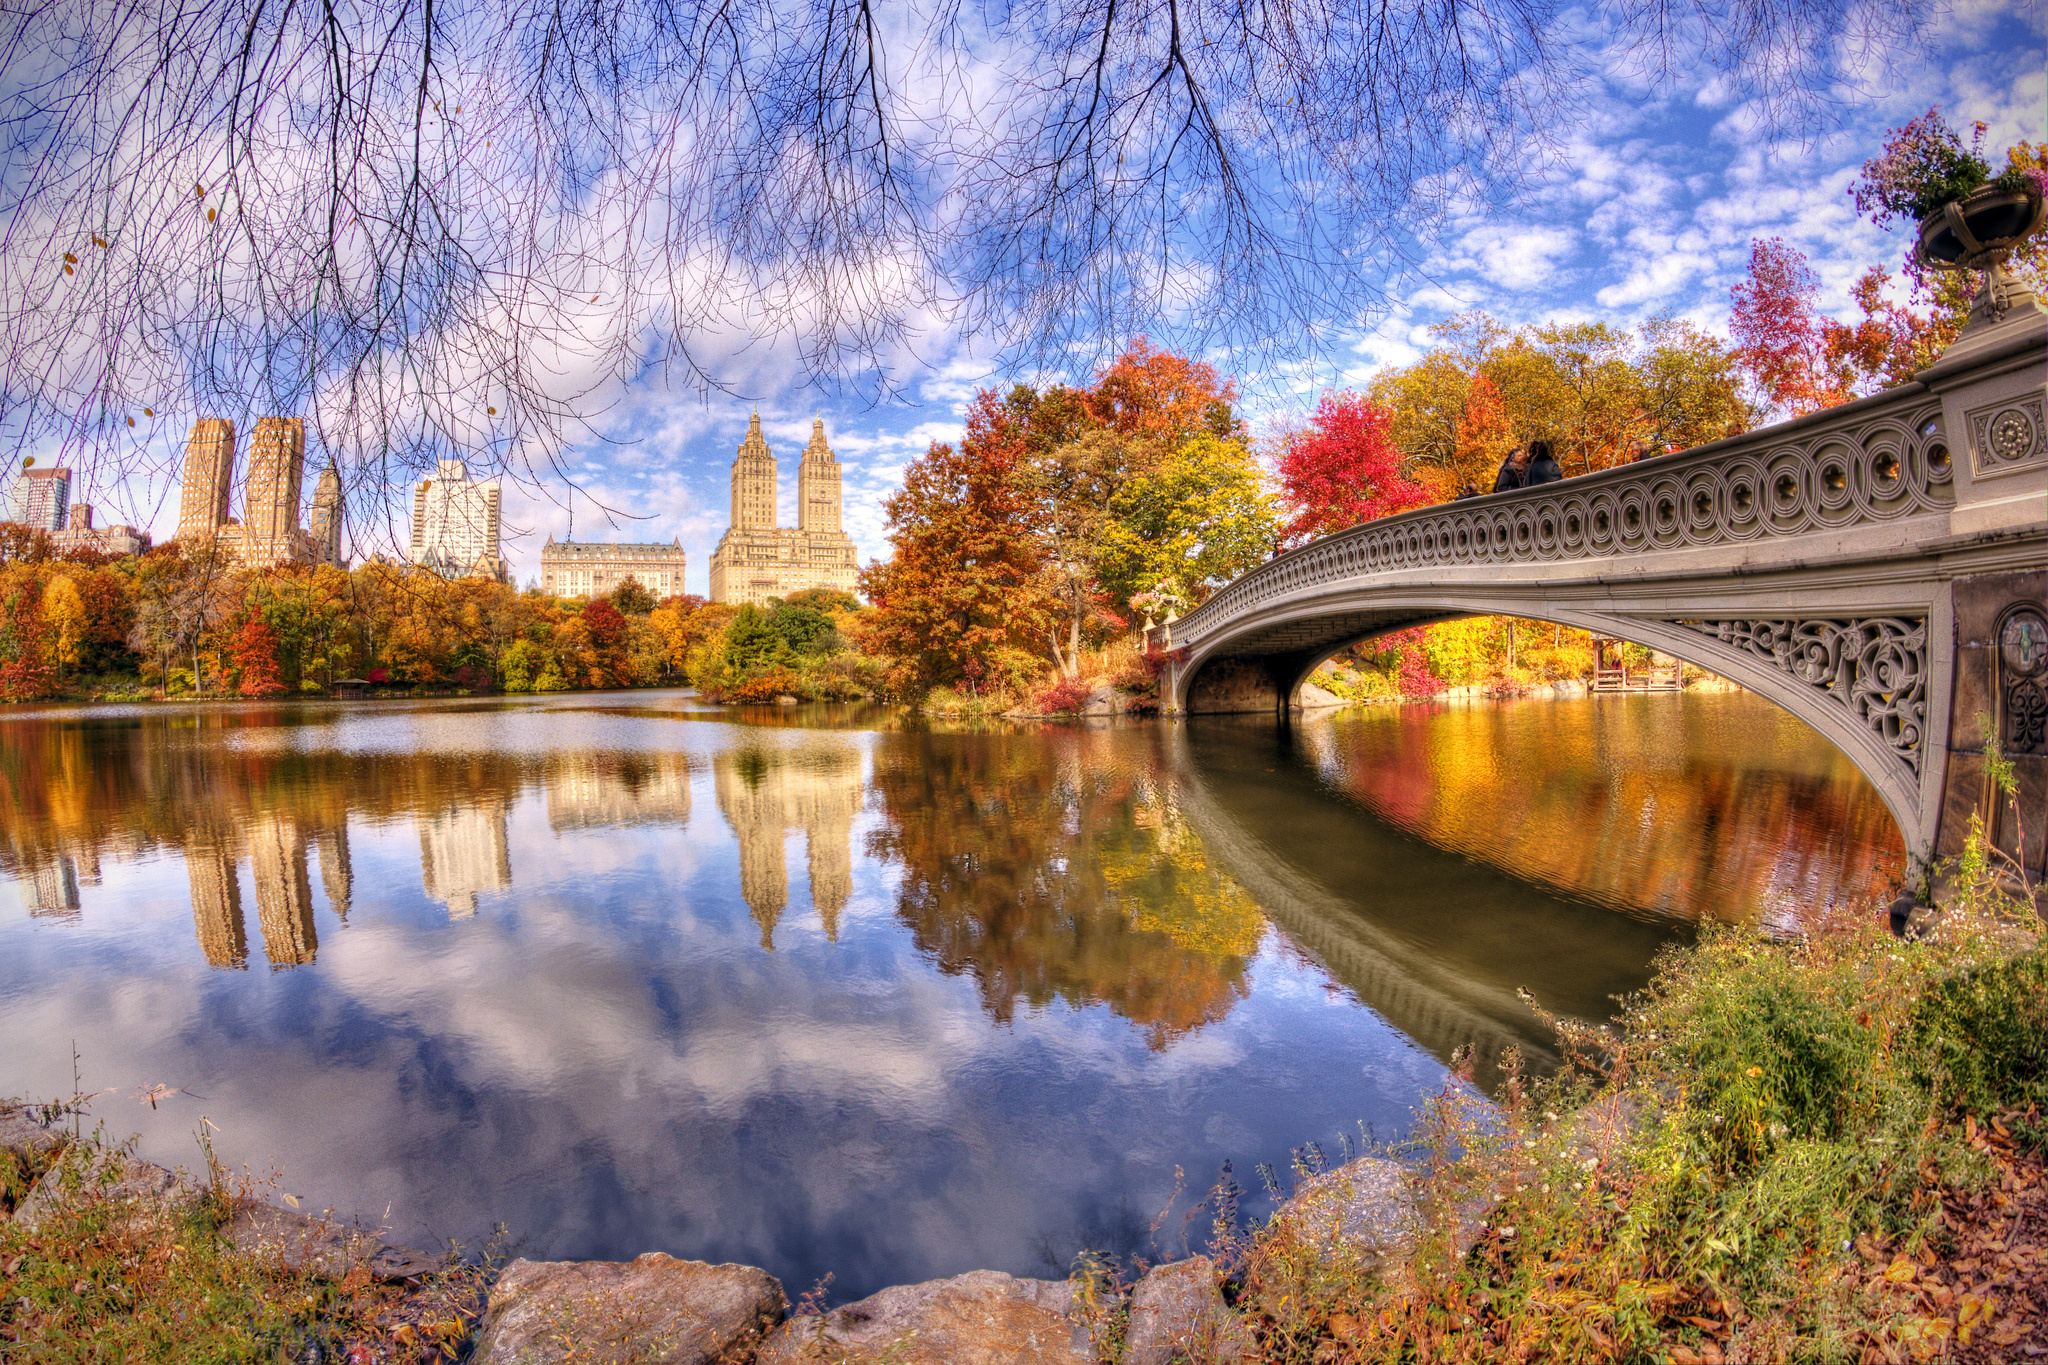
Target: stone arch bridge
{"x": 1878, "y": 569}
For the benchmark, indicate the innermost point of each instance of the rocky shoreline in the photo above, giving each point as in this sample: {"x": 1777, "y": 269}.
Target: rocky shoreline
{"x": 657, "y": 1308}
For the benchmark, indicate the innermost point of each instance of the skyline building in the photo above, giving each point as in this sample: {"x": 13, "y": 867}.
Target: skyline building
{"x": 80, "y": 534}
{"x": 325, "y": 530}
{"x": 270, "y": 497}
{"x": 455, "y": 524}
{"x": 209, "y": 475}
{"x": 757, "y": 559}
{"x": 573, "y": 568}
{"x": 42, "y": 498}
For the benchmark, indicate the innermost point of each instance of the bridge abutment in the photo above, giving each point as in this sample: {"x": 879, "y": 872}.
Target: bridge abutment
{"x": 1999, "y": 695}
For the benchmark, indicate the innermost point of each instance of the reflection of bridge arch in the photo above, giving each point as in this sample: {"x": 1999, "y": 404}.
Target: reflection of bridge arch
{"x": 1853, "y": 566}
{"x": 1444, "y": 985}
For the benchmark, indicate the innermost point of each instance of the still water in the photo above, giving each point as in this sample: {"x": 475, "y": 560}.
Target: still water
{"x": 826, "y": 990}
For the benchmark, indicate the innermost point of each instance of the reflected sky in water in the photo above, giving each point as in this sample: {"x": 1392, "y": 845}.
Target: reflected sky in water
{"x": 828, "y": 991}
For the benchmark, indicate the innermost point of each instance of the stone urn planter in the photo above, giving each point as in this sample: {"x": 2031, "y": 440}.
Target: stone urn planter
{"x": 1978, "y": 232}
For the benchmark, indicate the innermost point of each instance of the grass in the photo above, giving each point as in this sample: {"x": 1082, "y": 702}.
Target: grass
{"x": 100, "y": 1282}
{"x": 1810, "y": 1126}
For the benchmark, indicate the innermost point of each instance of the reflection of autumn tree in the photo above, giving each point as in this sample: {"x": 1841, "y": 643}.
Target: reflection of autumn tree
{"x": 1048, "y": 870}
{"x": 1739, "y": 806}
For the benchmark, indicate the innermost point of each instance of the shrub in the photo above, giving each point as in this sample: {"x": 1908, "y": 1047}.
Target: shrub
{"x": 1064, "y": 697}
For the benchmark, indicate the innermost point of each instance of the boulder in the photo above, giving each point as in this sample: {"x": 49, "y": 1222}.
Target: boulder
{"x": 1103, "y": 701}
{"x": 652, "y": 1310}
{"x": 1178, "y": 1317}
{"x": 981, "y": 1318}
{"x": 1310, "y": 697}
{"x": 1369, "y": 1204}
{"x": 321, "y": 1245}
{"x": 86, "y": 1176}
{"x": 22, "y": 1137}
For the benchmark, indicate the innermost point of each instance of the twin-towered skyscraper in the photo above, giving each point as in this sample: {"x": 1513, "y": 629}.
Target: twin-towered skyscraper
{"x": 269, "y": 531}
{"x": 756, "y": 559}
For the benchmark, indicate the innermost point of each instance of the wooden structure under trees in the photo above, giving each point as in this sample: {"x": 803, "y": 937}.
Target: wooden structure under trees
{"x": 1661, "y": 674}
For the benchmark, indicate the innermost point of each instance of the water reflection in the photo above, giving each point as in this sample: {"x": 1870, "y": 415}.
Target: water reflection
{"x": 1062, "y": 870}
{"x": 1015, "y": 982}
{"x": 1714, "y": 806}
{"x": 764, "y": 794}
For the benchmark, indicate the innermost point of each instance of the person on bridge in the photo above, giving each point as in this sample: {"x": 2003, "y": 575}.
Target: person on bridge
{"x": 1512, "y": 471}
{"x": 1542, "y": 466}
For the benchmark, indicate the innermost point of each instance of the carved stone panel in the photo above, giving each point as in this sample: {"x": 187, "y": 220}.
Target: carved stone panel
{"x": 2023, "y": 682}
{"x": 1875, "y": 667}
{"x": 2008, "y": 435}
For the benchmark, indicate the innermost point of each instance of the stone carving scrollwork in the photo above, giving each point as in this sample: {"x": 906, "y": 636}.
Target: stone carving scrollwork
{"x": 1876, "y": 667}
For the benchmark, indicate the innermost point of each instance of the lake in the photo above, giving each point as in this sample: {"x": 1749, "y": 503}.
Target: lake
{"x": 833, "y": 990}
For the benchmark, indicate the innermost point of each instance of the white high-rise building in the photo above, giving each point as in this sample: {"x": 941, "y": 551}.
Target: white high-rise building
{"x": 455, "y": 523}
{"x": 42, "y": 498}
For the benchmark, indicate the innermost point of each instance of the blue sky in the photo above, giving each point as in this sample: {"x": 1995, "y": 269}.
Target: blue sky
{"x": 1646, "y": 203}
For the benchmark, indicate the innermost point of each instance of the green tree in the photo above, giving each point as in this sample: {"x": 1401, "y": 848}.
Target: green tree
{"x": 1202, "y": 519}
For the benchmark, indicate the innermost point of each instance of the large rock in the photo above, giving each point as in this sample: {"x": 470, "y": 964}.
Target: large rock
{"x": 1310, "y": 697}
{"x": 981, "y": 1318}
{"x": 22, "y": 1137}
{"x": 652, "y": 1310}
{"x": 149, "y": 1192}
{"x": 1369, "y": 1205}
{"x": 1178, "y": 1317}
{"x": 321, "y": 1245}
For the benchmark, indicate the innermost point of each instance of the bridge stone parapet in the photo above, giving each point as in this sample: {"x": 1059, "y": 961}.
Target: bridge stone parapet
{"x": 1860, "y": 566}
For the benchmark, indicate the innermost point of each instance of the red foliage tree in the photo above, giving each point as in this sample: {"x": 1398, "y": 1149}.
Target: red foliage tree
{"x": 255, "y": 655}
{"x": 1779, "y": 337}
{"x": 964, "y": 582}
{"x": 606, "y": 626}
{"x": 1803, "y": 361}
{"x": 1343, "y": 469}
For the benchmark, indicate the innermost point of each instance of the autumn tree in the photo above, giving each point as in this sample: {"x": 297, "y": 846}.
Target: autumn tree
{"x": 24, "y": 639}
{"x": 1342, "y": 469}
{"x": 1484, "y": 440}
{"x": 1197, "y": 521}
{"x": 255, "y": 656}
{"x": 1777, "y": 329}
{"x": 65, "y": 619}
{"x": 964, "y": 585}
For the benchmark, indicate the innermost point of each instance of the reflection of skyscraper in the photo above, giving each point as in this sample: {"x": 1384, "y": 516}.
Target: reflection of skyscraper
{"x": 763, "y": 796}
{"x": 216, "y": 902}
{"x": 590, "y": 790}
{"x": 52, "y": 888}
{"x": 284, "y": 894}
{"x": 462, "y": 853}
{"x": 337, "y": 877}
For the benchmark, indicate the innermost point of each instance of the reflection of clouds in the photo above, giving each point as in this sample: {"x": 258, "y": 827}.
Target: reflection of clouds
{"x": 605, "y": 1060}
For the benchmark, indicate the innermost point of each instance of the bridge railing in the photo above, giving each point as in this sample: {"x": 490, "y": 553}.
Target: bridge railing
{"x": 1880, "y": 459}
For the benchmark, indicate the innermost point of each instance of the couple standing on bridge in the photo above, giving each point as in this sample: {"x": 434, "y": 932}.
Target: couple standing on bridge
{"x": 1525, "y": 467}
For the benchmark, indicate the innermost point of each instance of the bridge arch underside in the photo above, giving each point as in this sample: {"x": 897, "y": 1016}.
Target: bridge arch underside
{"x": 1865, "y": 684}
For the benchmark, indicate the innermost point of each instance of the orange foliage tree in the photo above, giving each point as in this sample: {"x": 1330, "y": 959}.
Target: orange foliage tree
{"x": 963, "y": 592}
{"x": 255, "y": 656}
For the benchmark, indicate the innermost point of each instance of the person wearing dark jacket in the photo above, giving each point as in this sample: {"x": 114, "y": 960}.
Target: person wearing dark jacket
{"x": 1543, "y": 467}
{"x": 1512, "y": 471}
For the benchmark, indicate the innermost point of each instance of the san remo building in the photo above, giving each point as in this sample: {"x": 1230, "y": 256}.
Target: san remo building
{"x": 756, "y": 559}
